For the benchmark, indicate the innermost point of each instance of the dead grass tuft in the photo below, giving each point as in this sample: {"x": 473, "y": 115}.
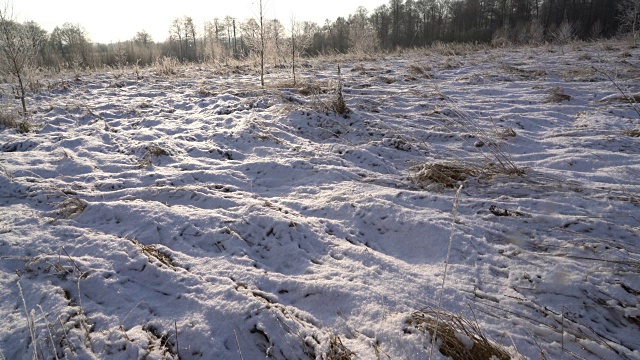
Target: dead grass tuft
{"x": 447, "y": 174}
{"x": 155, "y": 150}
{"x": 632, "y": 132}
{"x": 166, "y": 66}
{"x": 152, "y": 252}
{"x": 70, "y": 207}
{"x": 630, "y": 98}
{"x": 524, "y": 73}
{"x": 337, "y": 351}
{"x": 460, "y": 339}
{"x": 454, "y": 49}
{"x": 338, "y": 104}
{"x": 581, "y": 74}
{"x": 204, "y": 92}
{"x": 556, "y": 95}
{"x": 10, "y": 119}
{"x": 304, "y": 88}
{"x": 506, "y": 133}
{"x": 417, "y": 70}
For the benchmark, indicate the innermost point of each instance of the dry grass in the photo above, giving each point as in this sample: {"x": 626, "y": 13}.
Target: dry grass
{"x": 632, "y": 132}
{"x": 152, "y": 253}
{"x": 339, "y": 105}
{"x": 305, "y": 87}
{"x": 310, "y": 88}
{"x": 8, "y": 118}
{"x": 524, "y": 73}
{"x": 447, "y": 174}
{"x": 459, "y": 338}
{"x": 166, "y": 66}
{"x": 455, "y": 49}
{"x": 506, "y": 133}
{"x": 581, "y": 74}
{"x": 337, "y": 351}
{"x": 417, "y": 70}
{"x": 155, "y": 150}
{"x": 630, "y": 98}
{"x": 11, "y": 119}
{"x": 556, "y": 95}
{"x": 70, "y": 207}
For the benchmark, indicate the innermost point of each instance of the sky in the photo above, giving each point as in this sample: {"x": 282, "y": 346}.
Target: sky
{"x": 119, "y": 20}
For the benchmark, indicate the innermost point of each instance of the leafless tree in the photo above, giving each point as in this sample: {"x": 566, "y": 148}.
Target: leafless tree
{"x": 276, "y": 47}
{"x": 212, "y": 30}
{"x": 630, "y": 17}
{"x": 300, "y": 40}
{"x": 564, "y": 34}
{"x": 362, "y": 36}
{"x": 250, "y": 30}
{"x": 535, "y": 32}
{"x": 17, "y": 51}
{"x": 190, "y": 39}
{"x": 262, "y": 42}
{"x": 71, "y": 43}
{"x": 176, "y": 35}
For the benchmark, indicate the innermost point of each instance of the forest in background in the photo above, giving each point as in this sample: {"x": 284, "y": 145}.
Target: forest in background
{"x": 396, "y": 25}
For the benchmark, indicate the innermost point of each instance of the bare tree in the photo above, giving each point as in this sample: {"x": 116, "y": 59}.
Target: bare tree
{"x": 212, "y": 31}
{"x": 564, "y": 34}
{"x": 362, "y": 36}
{"x": 71, "y": 43}
{"x": 17, "y": 52}
{"x": 630, "y": 17}
{"x": 176, "y": 34}
{"x": 276, "y": 47}
{"x": 189, "y": 38}
{"x": 300, "y": 40}
{"x": 534, "y": 33}
{"x": 262, "y": 47}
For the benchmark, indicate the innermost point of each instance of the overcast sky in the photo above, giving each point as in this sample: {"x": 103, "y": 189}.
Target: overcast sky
{"x": 114, "y": 20}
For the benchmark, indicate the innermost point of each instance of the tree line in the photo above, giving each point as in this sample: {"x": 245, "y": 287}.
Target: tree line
{"x": 398, "y": 24}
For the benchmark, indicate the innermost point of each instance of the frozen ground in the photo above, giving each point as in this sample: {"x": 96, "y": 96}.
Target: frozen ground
{"x": 196, "y": 215}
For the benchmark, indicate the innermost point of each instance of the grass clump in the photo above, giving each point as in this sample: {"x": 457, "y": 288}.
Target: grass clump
{"x": 459, "y": 338}
{"x": 632, "y": 132}
{"x": 447, "y": 174}
{"x": 153, "y": 254}
{"x": 338, "y": 105}
{"x": 337, "y": 351}
{"x": 417, "y": 70}
{"x": 167, "y": 66}
{"x": 155, "y": 150}
{"x": 11, "y": 119}
{"x": 70, "y": 207}
{"x": 556, "y": 95}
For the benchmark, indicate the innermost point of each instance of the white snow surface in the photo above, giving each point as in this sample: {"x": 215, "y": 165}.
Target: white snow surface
{"x": 199, "y": 216}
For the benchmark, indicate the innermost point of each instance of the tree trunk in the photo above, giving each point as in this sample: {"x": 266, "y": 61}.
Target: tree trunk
{"x": 261, "y": 45}
{"x": 235, "y": 42}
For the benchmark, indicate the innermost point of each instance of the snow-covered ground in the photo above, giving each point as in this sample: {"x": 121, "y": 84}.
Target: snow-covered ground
{"x": 197, "y": 215}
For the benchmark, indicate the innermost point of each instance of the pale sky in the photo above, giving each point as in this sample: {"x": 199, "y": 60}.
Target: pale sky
{"x": 118, "y": 20}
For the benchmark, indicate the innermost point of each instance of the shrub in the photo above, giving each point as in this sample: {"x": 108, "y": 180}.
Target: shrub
{"x": 167, "y": 66}
{"x": 11, "y": 119}
{"x": 564, "y": 34}
{"x": 17, "y": 50}
{"x": 460, "y": 339}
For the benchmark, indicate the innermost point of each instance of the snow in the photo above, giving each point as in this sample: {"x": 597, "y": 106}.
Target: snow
{"x": 200, "y": 216}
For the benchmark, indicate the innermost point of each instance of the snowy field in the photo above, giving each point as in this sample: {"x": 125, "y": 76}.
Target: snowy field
{"x": 196, "y": 215}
